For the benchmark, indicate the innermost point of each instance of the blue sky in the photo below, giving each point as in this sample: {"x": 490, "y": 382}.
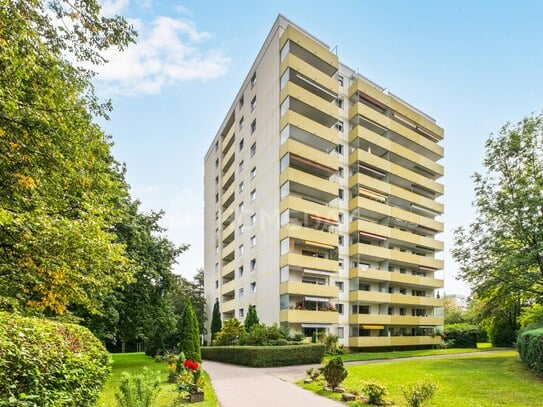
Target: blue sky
{"x": 472, "y": 65}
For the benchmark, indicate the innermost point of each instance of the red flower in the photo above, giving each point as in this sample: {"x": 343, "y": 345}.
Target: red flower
{"x": 190, "y": 364}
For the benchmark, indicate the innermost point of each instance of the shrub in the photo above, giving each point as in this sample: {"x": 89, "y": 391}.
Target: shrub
{"x": 502, "y": 332}
{"x": 261, "y": 335}
{"x": 190, "y": 335}
{"x": 139, "y": 390}
{"x": 49, "y": 363}
{"x": 330, "y": 341}
{"x": 375, "y": 392}
{"x": 229, "y": 334}
{"x": 265, "y": 356}
{"x": 461, "y": 335}
{"x": 530, "y": 348}
{"x": 297, "y": 337}
{"x": 419, "y": 392}
{"x": 334, "y": 372}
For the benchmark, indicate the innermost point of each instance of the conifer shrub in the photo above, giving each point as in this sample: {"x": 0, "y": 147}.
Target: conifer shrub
{"x": 189, "y": 342}
{"x": 48, "y": 363}
{"x": 334, "y": 372}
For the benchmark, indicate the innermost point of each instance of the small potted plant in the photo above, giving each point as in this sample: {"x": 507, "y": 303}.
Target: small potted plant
{"x": 191, "y": 381}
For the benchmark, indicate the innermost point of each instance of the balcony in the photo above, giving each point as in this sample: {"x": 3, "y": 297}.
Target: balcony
{"x": 228, "y": 306}
{"x": 362, "y": 135}
{"x": 308, "y": 262}
{"x": 378, "y": 319}
{"x": 309, "y": 235}
{"x": 368, "y": 206}
{"x": 395, "y": 234}
{"x": 316, "y": 290}
{"x": 228, "y": 178}
{"x": 313, "y": 155}
{"x": 383, "y": 276}
{"x": 309, "y": 98}
{"x": 386, "y": 298}
{"x": 228, "y": 233}
{"x": 306, "y": 316}
{"x": 309, "y": 50}
{"x": 377, "y": 253}
{"x": 228, "y": 160}
{"x": 229, "y": 287}
{"x": 390, "y": 167}
{"x": 307, "y": 70}
{"x": 307, "y": 110}
{"x": 381, "y": 341}
{"x": 228, "y": 141}
{"x": 228, "y": 196}
{"x": 328, "y": 135}
{"x": 311, "y": 208}
{"x": 228, "y": 272}
{"x": 228, "y": 217}
{"x": 310, "y": 185}
{"x": 228, "y": 251}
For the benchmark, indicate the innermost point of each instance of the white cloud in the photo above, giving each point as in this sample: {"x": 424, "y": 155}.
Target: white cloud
{"x": 111, "y": 8}
{"x": 167, "y": 51}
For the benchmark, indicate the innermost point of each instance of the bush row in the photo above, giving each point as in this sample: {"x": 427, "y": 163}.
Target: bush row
{"x": 530, "y": 348}
{"x": 462, "y": 335}
{"x": 47, "y": 363}
{"x": 265, "y": 356}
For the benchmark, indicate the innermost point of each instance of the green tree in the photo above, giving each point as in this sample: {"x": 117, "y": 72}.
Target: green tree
{"x": 190, "y": 335}
{"x": 251, "y": 319}
{"x": 501, "y": 252}
{"x": 61, "y": 192}
{"x": 216, "y": 323}
{"x": 229, "y": 334}
{"x": 453, "y": 313}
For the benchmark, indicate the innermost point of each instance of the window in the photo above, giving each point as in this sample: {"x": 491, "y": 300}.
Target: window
{"x": 340, "y": 148}
{"x": 253, "y": 219}
{"x": 339, "y": 125}
{"x": 253, "y": 195}
{"x": 253, "y": 104}
{"x": 340, "y": 218}
{"x": 340, "y": 286}
{"x": 240, "y": 208}
{"x": 339, "y": 308}
{"x": 253, "y": 287}
{"x": 216, "y": 267}
{"x": 240, "y": 229}
{"x": 340, "y": 333}
{"x": 240, "y": 271}
{"x": 341, "y": 240}
{"x": 253, "y": 126}
{"x": 217, "y": 215}
{"x": 216, "y": 198}
{"x": 403, "y": 291}
{"x": 240, "y": 166}
{"x": 364, "y": 287}
{"x": 240, "y": 187}
{"x": 402, "y": 311}
{"x": 341, "y": 194}
{"x": 253, "y": 265}
{"x": 339, "y": 102}
{"x": 240, "y": 249}
{"x": 253, "y": 172}
{"x": 340, "y": 80}
{"x": 253, "y": 80}
{"x": 253, "y": 149}
{"x": 390, "y": 310}
{"x": 241, "y": 313}
{"x": 217, "y": 163}
{"x": 341, "y": 172}
{"x": 217, "y": 249}
{"x": 240, "y": 103}
{"x": 241, "y": 142}
{"x": 241, "y": 121}
{"x": 217, "y": 180}
{"x": 216, "y": 284}
{"x": 240, "y": 293}
{"x": 217, "y": 145}
{"x": 253, "y": 241}
{"x": 340, "y": 264}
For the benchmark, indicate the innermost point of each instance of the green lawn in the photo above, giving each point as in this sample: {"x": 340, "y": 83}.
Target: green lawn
{"x": 410, "y": 353}
{"x": 478, "y": 380}
{"x": 134, "y": 363}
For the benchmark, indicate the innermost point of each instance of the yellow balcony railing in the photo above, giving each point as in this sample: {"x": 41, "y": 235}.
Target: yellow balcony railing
{"x": 309, "y": 153}
{"x": 299, "y": 288}
{"x": 327, "y": 82}
{"x": 380, "y": 253}
{"x": 379, "y": 341}
{"x": 309, "y": 236}
{"x": 378, "y": 319}
{"x": 309, "y": 262}
{"x": 303, "y": 178}
{"x": 395, "y": 277}
{"x": 301, "y": 316}
{"x": 309, "y": 207}
{"x": 228, "y": 306}
{"x": 309, "y": 98}
{"x": 391, "y": 299}
{"x": 329, "y": 134}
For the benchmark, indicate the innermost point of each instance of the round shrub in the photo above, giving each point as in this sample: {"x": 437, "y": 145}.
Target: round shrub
{"x": 334, "y": 372}
{"x": 48, "y": 363}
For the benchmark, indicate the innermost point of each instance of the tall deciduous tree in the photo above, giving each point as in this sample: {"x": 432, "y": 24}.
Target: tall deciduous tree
{"x": 60, "y": 189}
{"x": 501, "y": 252}
{"x": 190, "y": 335}
{"x": 216, "y": 323}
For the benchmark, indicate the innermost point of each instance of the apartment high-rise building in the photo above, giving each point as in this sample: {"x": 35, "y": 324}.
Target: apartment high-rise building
{"x": 321, "y": 201}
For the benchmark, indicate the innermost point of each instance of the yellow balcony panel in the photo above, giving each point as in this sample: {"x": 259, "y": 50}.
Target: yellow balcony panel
{"x": 311, "y": 208}
{"x": 309, "y": 98}
{"x": 384, "y": 209}
{"x": 380, "y": 341}
{"x": 395, "y": 104}
{"x": 228, "y": 216}
{"x": 228, "y": 195}
{"x": 311, "y": 126}
{"x": 309, "y": 153}
{"x": 396, "y": 234}
{"x": 228, "y": 141}
{"x": 390, "y": 167}
{"x": 228, "y": 160}
{"x": 228, "y": 270}
{"x": 380, "y": 253}
{"x": 393, "y": 190}
{"x": 228, "y": 287}
{"x": 309, "y": 44}
{"x": 301, "y": 177}
{"x": 308, "y": 235}
{"x": 305, "y": 316}
{"x": 395, "y": 277}
{"x": 228, "y": 306}
{"x": 228, "y": 177}
{"x": 378, "y": 319}
{"x": 308, "y": 262}
{"x": 228, "y": 249}
{"x": 316, "y": 290}
{"x": 319, "y": 77}
{"x": 384, "y": 121}
{"x": 229, "y": 230}
{"x": 387, "y": 144}
{"x": 392, "y": 299}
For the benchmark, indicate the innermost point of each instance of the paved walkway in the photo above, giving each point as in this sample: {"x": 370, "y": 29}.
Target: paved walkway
{"x": 240, "y": 386}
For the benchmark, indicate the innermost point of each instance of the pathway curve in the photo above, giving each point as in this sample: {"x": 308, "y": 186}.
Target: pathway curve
{"x": 241, "y": 386}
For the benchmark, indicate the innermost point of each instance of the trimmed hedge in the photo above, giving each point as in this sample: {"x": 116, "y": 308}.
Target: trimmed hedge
{"x": 530, "y": 348}
{"x": 461, "y": 335}
{"x": 48, "y": 363}
{"x": 265, "y": 356}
